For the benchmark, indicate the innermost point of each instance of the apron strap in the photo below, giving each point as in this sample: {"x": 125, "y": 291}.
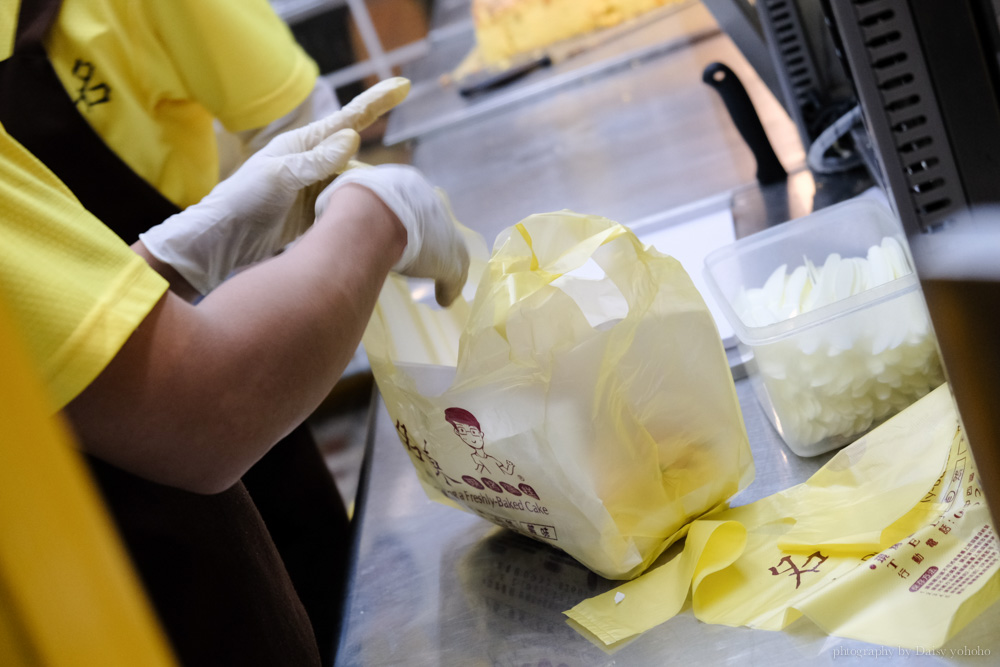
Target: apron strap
{"x": 34, "y": 19}
{"x": 36, "y": 111}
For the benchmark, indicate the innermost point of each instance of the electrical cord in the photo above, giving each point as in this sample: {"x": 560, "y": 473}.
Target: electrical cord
{"x": 844, "y": 160}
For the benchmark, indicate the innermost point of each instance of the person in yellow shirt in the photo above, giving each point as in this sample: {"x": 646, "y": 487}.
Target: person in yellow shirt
{"x": 84, "y": 300}
{"x": 119, "y": 98}
{"x": 151, "y": 78}
{"x": 173, "y": 400}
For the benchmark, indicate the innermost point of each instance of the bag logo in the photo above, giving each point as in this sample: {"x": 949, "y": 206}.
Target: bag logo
{"x": 794, "y": 570}
{"x": 468, "y": 429}
{"x": 520, "y": 498}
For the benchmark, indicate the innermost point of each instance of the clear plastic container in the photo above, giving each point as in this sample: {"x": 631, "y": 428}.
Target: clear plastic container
{"x": 829, "y": 375}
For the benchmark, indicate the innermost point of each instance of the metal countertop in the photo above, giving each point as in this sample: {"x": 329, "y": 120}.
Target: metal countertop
{"x": 432, "y": 585}
{"x": 626, "y": 144}
{"x": 435, "y": 586}
{"x": 435, "y": 103}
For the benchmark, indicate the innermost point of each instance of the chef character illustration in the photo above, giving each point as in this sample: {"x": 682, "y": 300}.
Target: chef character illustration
{"x": 467, "y": 428}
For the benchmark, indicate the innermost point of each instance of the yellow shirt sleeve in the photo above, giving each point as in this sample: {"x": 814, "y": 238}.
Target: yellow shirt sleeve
{"x": 236, "y": 57}
{"x": 75, "y": 289}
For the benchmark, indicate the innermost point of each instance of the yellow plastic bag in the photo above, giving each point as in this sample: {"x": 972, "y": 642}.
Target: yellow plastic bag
{"x": 594, "y": 413}
{"x": 890, "y": 542}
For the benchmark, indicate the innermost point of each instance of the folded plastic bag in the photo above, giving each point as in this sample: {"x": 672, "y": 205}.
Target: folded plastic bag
{"x": 890, "y": 542}
{"x": 588, "y": 404}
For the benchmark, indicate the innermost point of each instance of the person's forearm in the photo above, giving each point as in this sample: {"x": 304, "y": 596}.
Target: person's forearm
{"x": 199, "y": 393}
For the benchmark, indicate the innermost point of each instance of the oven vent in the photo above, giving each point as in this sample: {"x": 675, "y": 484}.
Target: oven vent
{"x": 910, "y": 112}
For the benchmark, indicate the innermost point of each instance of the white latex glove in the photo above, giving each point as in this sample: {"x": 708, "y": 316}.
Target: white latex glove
{"x": 269, "y": 201}
{"x": 434, "y": 247}
{"x": 236, "y": 147}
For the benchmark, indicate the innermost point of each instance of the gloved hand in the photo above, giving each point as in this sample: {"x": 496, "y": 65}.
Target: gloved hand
{"x": 270, "y": 200}
{"x": 434, "y": 247}
{"x": 236, "y": 147}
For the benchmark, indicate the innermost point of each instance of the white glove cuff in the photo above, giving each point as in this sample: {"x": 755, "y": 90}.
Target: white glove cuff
{"x": 175, "y": 241}
{"x": 391, "y": 196}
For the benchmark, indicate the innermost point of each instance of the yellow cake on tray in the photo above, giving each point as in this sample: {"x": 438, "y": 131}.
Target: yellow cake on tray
{"x": 506, "y": 28}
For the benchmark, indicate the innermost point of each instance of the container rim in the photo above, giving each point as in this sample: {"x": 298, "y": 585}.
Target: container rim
{"x": 770, "y": 333}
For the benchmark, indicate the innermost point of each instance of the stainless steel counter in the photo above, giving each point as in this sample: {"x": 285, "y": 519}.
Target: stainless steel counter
{"x": 626, "y": 143}
{"x": 435, "y": 586}
{"x": 432, "y": 585}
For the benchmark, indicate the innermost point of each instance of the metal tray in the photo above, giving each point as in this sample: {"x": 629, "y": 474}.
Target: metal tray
{"x": 435, "y": 104}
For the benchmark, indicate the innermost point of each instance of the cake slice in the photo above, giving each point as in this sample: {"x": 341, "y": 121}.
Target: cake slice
{"x": 505, "y": 28}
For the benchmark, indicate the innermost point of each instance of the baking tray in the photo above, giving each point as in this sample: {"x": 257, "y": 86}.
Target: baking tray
{"x": 435, "y": 104}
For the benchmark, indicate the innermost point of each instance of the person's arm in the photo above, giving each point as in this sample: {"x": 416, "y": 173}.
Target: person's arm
{"x": 200, "y": 393}
{"x": 270, "y": 200}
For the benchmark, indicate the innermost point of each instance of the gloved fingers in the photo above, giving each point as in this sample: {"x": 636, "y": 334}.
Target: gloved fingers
{"x": 358, "y": 114}
{"x": 448, "y": 288}
{"x": 300, "y": 216}
{"x": 324, "y": 161}
{"x": 434, "y": 247}
{"x": 367, "y": 107}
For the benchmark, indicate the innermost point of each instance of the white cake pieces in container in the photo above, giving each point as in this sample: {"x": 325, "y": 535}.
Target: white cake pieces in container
{"x": 839, "y": 333}
{"x": 809, "y": 287}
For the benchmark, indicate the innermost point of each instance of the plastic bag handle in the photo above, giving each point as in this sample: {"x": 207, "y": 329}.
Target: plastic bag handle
{"x": 568, "y": 248}
{"x": 531, "y": 255}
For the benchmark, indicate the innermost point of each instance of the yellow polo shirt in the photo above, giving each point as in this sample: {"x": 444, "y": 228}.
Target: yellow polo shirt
{"x": 74, "y": 289}
{"x": 150, "y": 75}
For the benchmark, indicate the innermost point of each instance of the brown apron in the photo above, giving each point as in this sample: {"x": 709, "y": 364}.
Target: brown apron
{"x": 250, "y": 576}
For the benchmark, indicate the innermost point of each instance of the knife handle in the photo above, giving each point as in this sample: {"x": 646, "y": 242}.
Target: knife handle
{"x": 741, "y": 110}
{"x": 503, "y": 78}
